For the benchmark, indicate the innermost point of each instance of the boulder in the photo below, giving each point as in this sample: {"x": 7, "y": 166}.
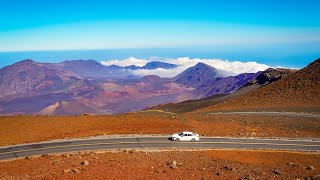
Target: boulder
{"x": 86, "y": 163}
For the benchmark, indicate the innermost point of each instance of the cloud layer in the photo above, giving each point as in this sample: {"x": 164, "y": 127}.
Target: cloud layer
{"x": 126, "y": 62}
{"x": 227, "y": 68}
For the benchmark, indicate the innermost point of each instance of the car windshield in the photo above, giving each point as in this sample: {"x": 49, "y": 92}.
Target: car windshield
{"x": 180, "y": 134}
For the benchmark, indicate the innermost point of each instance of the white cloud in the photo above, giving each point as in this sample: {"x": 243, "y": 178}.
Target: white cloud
{"x": 225, "y": 67}
{"x": 229, "y": 67}
{"x": 126, "y": 62}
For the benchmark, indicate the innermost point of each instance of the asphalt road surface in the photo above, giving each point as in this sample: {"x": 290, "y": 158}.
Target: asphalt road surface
{"x": 270, "y": 114}
{"x": 64, "y": 146}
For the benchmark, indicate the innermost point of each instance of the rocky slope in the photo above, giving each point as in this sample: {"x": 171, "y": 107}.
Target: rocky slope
{"x": 207, "y": 80}
{"x": 69, "y": 108}
{"x": 259, "y": 79}
{"x": 63, "y": 88}
{"x": 29, "y": 76}
{"x": 29, "y": 87}
{"x": 268, "y": 76}
{"x": 224, "y": 85}
{"x": 300, "y": 88}
{"x": 197, "y": 76}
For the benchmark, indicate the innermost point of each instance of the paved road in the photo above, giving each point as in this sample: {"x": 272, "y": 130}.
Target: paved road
{"x": 10, "y": 152}
{"x": 270, "y": 114}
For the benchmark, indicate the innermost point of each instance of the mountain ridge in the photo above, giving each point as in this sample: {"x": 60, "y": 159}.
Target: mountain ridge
{"x": 27, "y": 76}
{"x": 194, "y": 105}
{"x": 62, "y": 83}
{"x": 197, "y": 75}
{"x": 299, "y": 88}
{"x": 157, "y": 64}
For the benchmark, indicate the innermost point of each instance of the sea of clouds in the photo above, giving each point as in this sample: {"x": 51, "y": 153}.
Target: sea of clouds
{"x": 226, "y": 68}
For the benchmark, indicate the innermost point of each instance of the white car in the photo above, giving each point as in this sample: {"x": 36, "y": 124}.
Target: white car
{"x": 185, "y": 136}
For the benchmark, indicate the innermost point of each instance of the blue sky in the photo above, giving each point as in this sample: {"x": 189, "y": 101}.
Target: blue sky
{"x": 293, "y": 25}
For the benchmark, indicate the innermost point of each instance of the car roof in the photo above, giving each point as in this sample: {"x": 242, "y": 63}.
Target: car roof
{"x": 187, "y": 132}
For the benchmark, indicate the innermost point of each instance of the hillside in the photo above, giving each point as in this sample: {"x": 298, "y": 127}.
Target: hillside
{"x": 224, "y": 85}
{"x": 197, "y": 76}
{"x": 89, "y": 69}
{"x": 259, "y": 79}
{"x": 82, "y": 86}
{"x": 207, "y": 80}
{"x": 268, "y": 76}
{"x": 69, "y": 108}
{"x": 115, "y": 97}
{"x": 76, "y": 87}
{"x": 301, "y": 88}
{"x": 28, "y": 76}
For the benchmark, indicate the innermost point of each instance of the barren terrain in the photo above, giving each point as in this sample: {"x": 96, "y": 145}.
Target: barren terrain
{"x": 129, "y": 164}
{"x": 297, "y": 92}
{"x": 299, "y": 89}
{"x": 26, "y": 129}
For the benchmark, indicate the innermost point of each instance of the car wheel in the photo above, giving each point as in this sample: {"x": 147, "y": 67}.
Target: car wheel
{"x": 177, "y": 140}
{"x": 193, "y": 140}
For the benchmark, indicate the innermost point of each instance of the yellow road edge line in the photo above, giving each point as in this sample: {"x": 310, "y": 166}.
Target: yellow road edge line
{"x": 160, "y": 111}
{"x": 166, "y": 142}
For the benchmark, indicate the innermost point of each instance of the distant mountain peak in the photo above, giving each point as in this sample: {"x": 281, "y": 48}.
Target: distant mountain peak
{"x": 89, "y": 69}
{"x": 24, "y": 64}
{"x": 314, "y": 63}
{"x": 27, "y": 61}
{"x": 201, "y": 64}
{"x": 202, "y": 68}
{"x": 89, "y": 61}
{"x": 197, "y": 75}
{"x": 132, "y": 67}
{"x": 28, "y": 76}
{"x": 158, "y": 64}
{"x": 150, "y": 78}
{"x": 205, "y": 66}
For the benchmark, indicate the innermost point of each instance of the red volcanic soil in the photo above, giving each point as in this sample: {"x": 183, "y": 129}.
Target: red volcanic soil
{"x": 26, "y": 129}
{"x": 130, "y": 164}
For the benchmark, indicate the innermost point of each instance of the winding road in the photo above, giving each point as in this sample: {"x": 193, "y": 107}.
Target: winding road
{"x": 150, "y": 142}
